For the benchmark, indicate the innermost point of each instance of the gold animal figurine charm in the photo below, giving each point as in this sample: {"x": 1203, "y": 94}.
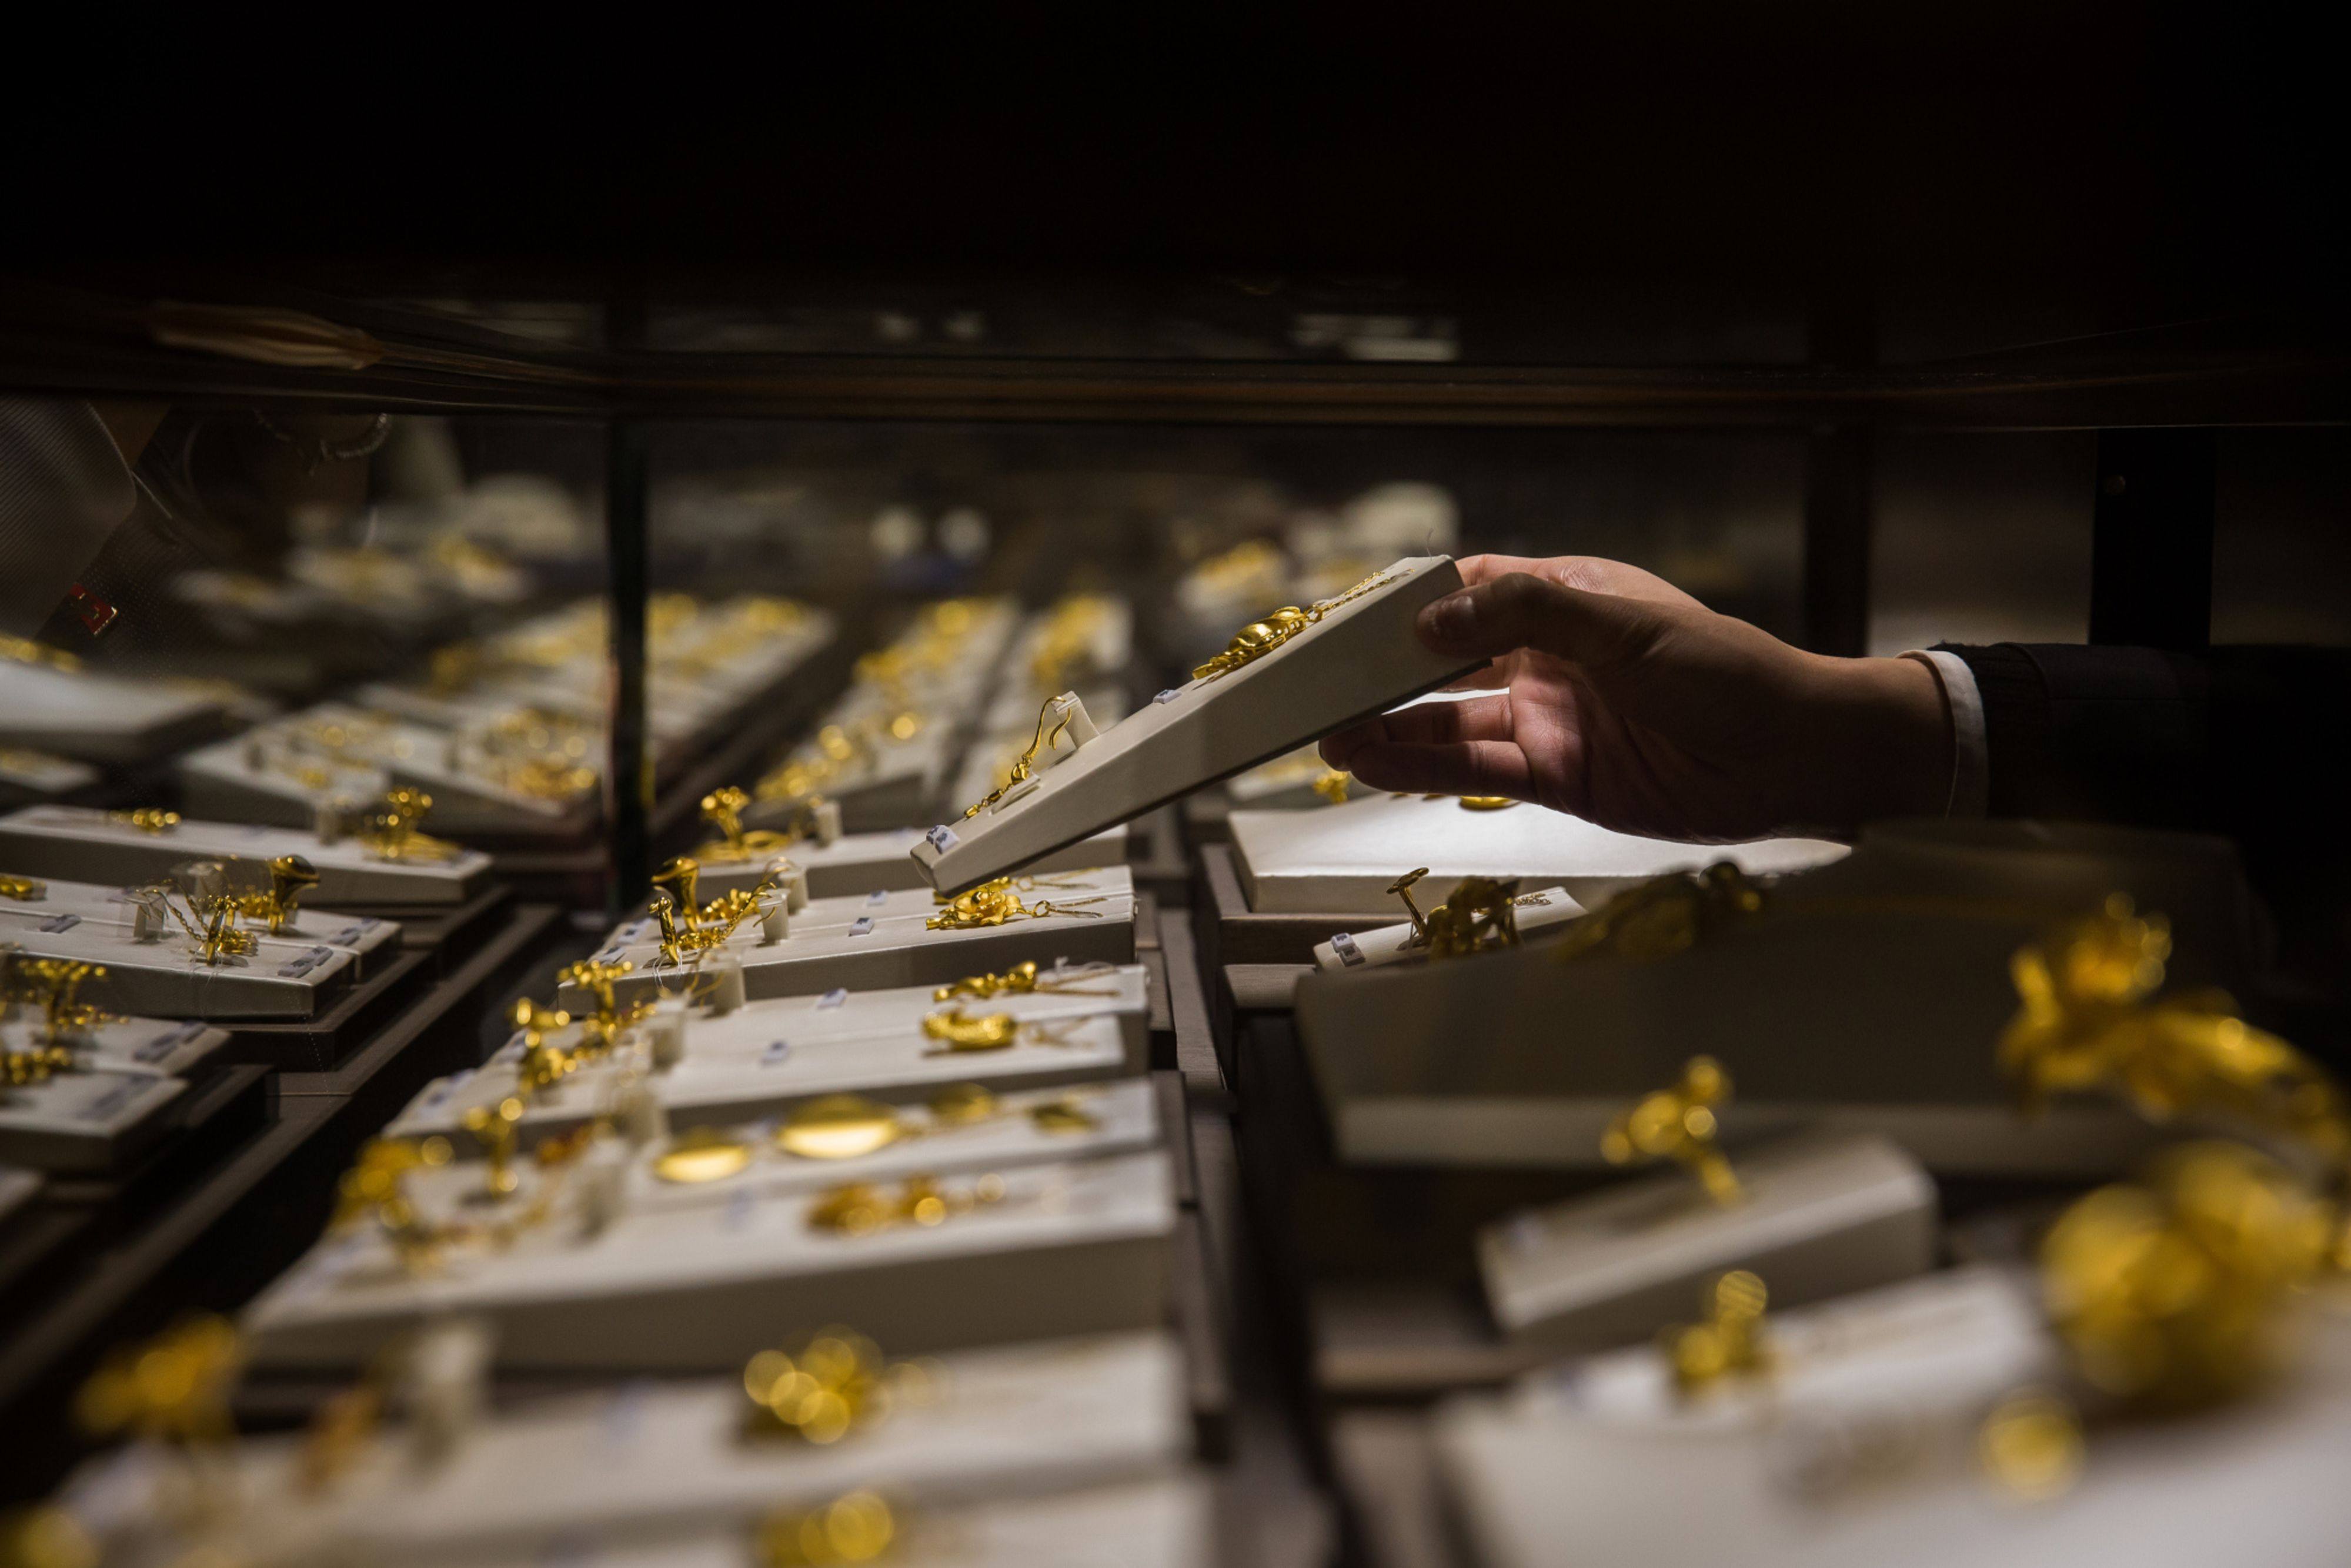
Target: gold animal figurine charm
{"x": 1730, "y": 1341}
{"x": 2089, "y": 1019}
{"x": 1680, "y": 1124}
{"x": 290, "y": 877}
{"x": 1479, "y": 916}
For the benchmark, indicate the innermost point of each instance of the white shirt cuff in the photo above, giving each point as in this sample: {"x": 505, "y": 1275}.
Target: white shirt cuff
{"x": 1971, "y": 754}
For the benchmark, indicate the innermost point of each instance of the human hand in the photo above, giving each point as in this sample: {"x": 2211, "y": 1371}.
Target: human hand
{"x": 1618, "y": 698}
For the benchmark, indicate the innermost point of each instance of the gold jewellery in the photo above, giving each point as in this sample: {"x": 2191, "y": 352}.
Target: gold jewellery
{"x": 1664, "y": 915}
{"x": 2177, "y": 1293}
{"x": 1025, "y": 764}
{"x": 2089, "y": 1019}
{"x": 23, "y": 889}
{"x": 1480, "y": 915}
{"x": 723, "y": 809}
{"x": 1729, "y": 1343}
{"x": 859, "y": 1209}
{"x": 1259, "y": 638}
{"x": 543, "y": 1062}
{"x": 1000, "y": 901}
{"x": 1680, "y": 1124}
{"x": 688, "y": 928}
{"x": 959, "y": 1033}
{"x": 54, "y": 985}
{"x": 600, "y": 1030}
{"x": 147, "y": 820}
{"x": 210, "y": 919}
{"x": 290, "y": 877}
{"x": 393, "y": 832}
{"x": 1022, "y": 979}
{"x": 833, "y": 1385}
{"x": 851, "y": 1126}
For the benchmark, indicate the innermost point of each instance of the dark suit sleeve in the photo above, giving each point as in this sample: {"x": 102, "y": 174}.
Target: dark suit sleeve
{"x": 2245, "y": 741}
{"x": 2096, "y": 734}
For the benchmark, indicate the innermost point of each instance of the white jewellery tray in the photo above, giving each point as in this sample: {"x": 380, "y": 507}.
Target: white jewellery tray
{"x": 855, "y": 864}
{"x": 987, "y": 764}
{"x": 1537, "y": 912}
{"x": 38, "y": 773}
{"x": 370, "y": 941}
{"x": 1872, "y": 1458}
{"x": 82, "y": 1121}
{"x": 165, "y": 978}
{"x": 17, "y": 1188}
{"x": 1012, "y": 715}
{"x": 1342, "y": 860}
{"x": 883, "y": 939}
{"x": 766, "y": 1057}
{"x": 1145, "y": 1524}
{"x": 124, "y": 1044}
{"x": 1119, "y": 1117}
{"x": 1070, "y": 1249}
{"x": 98, "y": 718}
{"x": 84, "y": 844}
{"x": 1817, "y": 1218}
{"x": 255, "y": 779}
{"x": 1360, "y": 658}
{"x": 1867, "y": 996}
{"x": 641, "y": 1463}
{"x": 469, "y": 795}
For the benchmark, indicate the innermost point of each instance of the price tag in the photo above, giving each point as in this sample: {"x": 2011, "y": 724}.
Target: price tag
{"x": 941, "y": 838}
{"x": 56, "y": 923}
{"x": 861, "y": 926}
{"x": 1343, "y": 944}
{"x": 877, "y": 898}
{"x": 832, "y": 998}
{"x": 1169, "y": 696}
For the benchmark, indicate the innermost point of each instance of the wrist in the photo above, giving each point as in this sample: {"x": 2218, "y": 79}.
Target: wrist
{"x": 1897, "y": 755}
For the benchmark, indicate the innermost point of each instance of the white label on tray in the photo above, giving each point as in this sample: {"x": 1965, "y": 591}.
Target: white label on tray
{"x": 1345, "y": 946}
{"x": 941, "y": 838}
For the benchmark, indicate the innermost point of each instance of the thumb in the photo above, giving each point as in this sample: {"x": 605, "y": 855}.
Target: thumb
{"x": 1596, "y": 630}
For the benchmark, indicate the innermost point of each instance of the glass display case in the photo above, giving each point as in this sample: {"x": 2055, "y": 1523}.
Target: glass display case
{"x": 414, "y": 707}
